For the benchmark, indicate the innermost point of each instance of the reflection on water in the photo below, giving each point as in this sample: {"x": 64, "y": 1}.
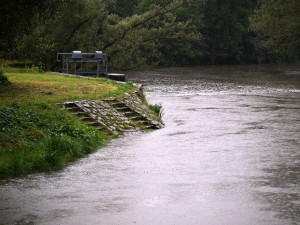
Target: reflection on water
{"x": 278, "y": 187}
{"x": 229, "y": 154}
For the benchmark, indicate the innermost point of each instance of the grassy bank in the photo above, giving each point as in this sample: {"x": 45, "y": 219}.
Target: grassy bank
{"x": 41, "y": 137}
{"x": 50, "y": 87}
{"x": 35, "y": 133}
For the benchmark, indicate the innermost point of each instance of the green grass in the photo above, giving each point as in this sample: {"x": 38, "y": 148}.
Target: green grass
{"x": 35, "y": 134}
{"x": 37, "y": 137}
{"x": 156, "y": 109}
{"x": 52, "y": 87}
{"x": 14, "y": 66}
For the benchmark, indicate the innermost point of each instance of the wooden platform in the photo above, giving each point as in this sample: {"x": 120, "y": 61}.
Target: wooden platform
{"x": 93, "y": 73}
{"x": 117, "y": 76}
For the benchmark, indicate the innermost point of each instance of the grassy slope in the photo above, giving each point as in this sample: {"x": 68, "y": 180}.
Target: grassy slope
{"x": 49, "y": 87}
{"x": 35, "y": 134}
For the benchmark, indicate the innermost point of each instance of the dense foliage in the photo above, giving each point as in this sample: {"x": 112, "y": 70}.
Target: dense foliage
{"x": 278, "y": 24}
{"x": 21, "y": 17}
{"x": 40, "y": 137}
{"x": 3, "y": 79}
{"x": 146, "y": 32}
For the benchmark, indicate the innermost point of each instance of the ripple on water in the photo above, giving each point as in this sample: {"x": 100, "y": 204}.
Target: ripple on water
{"x": 229, "y": 154}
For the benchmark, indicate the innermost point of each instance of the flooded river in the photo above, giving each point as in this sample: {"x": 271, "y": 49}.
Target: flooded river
{"x": 229, "y": 154}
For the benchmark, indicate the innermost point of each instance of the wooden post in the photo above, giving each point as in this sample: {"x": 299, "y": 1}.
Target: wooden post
{"x": 106, "y": 74}
{"x": 67, "y": 70}
{"x": 98, "y": 68}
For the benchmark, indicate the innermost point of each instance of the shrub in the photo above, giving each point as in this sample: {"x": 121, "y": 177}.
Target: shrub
{"x": 41, "y": 137}
{"x": 157, "y": 109}
{"x": 3, "y": 79}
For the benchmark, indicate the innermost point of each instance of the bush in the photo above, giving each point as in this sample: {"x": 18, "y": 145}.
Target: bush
{"x": 41, "y": 137}
{"x": 3, "y": 79}
{"x": 157, "y": 109}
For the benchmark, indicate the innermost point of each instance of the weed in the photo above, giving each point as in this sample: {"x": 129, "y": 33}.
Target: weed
{"x": 157, "y": 109}
{"x": 130, "y": 83}
{"x": 141, "y": 96}
{"x": 3, "y": 79}
{"x": 41, "y": 137}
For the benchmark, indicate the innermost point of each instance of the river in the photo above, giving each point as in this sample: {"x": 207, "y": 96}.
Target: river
{"x": 229, "y": 154}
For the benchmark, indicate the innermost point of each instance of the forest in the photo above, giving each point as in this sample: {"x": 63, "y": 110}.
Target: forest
{"x": 137, "y": 33}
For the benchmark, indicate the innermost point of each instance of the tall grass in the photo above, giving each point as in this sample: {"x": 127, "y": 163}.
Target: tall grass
{"x": 41, "y": 137}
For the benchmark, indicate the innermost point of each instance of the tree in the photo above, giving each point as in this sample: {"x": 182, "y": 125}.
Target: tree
{"x": 179, "y": 49}
{"x": 75, "y": 27}
{"x": 225, "y": 31}
{"x": 88, "y": 26}
{"x": 123, "y": 8}
{"x": 19, "y": 17}
{"x": 277, "y": 22}
{"x": 217, "y": 33}
{"x": 135, "y": 40}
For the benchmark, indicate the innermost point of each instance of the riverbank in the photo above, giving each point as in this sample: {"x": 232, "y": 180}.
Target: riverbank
{"x": 54, "y": 88}
{"x": 37, "y": 134}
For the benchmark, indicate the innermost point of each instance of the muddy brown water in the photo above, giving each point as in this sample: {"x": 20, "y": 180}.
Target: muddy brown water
{"x": 229, "y": 154}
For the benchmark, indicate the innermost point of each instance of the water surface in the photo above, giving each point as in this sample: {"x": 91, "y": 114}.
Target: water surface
{"x": 229, "y": 154}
